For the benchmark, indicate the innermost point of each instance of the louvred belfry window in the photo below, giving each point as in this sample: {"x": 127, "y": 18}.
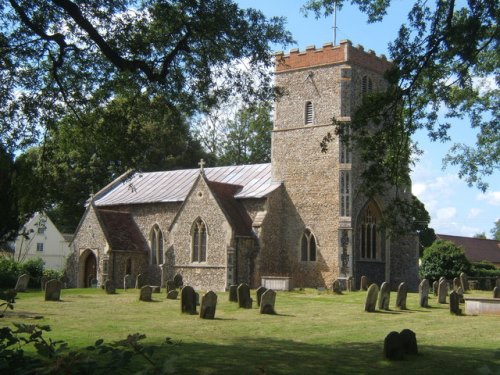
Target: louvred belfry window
{"x": 309, "y": 115}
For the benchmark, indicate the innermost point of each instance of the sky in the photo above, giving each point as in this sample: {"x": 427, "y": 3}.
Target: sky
{"x": 455, "y": 208}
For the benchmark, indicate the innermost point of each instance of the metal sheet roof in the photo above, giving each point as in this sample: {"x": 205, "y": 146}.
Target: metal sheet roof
{"x": 173, "y": 186}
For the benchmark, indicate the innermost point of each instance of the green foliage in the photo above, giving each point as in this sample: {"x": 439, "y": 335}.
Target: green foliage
{"x": 495, "y": 232}
{"x": 34, "y": 268}
{"x": 9, "y": 272}
{"x": 53, "y": 274}
{"x": 481, "y": 236}
{"x": 9, "y": 296}
{"x": 484, "y": 269}
{"x": 443, "y": 258}
{"x": 55, "y": 356}
{"x": 9, "y": 220}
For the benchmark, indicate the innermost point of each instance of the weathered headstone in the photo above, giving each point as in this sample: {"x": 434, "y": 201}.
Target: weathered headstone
{"x": 460, "y": 293}
{"x": 244, "y": 299}
{"x": 93, "y": 282}
{"x": 435, "y": 285}
{"x": 364, "y": 283}
{"x": 127, "y": 282}
{"x": 267, "y": 302}
{"x": 442, "y": 291}
{"x": 208, "y": 305}
{"x": 473, "y": 284}
{"x": 456, "y": 283}
{"x": 171, "y": 285}
{"x": 53, "y": 290}
{"x": 173, "y": 294}
{"x": 178, "y": 280}
{"x": 156, "y": 288}
{"x": 22, "y": 283}
{"x": 43, "y": 281}
{"x": 259, "y": 292}
{"x": 371, "y": 298}
{"x": 384, "y": 296}
{"x": 146, "y": 293}
{"x": 350, "y": 286}
{"x": 496, "y": 292}
{"x": 423, "y": 293}
{"x": 233, "y": 293}
{"x": 401, "y": 296}
{"x": 393, "y": 346}
{"x": 109, "y": 287}
{"x": 188, "y": 300}
{"x": 464, "y": 281}
{"x": 139, "y": 281}
{"x": 336, "y": 287}
{"x": 409, "y": 341}
{"x": 455, "y": 303}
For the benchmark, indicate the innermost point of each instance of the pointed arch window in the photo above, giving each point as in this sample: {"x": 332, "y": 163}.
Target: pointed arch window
{"x": 156, "y": 243}
{"x": 309, "y": 113}
{"x": 370, "y": 241}
{"x": 199, "y": 241}
{"x": 308, "y": 247}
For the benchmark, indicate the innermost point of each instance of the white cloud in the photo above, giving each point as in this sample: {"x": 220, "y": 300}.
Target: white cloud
{"x": 491, "y": 197}
{"x": 473, "y": 212}
{"x": 446, "y": 213}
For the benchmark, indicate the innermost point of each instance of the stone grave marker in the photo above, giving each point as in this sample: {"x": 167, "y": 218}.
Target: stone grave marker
{"x": 460, "y": 293}
{"x": 259, "y": 292}
{"x": 109, "y": 287}
{"x": 156, "y": 288}
{"x": 423, "y": 293}
{"x": 146, "y": 293}
{"x": 188, "y": 300}
{"x": 393, "y": 346}
{"x": 350, "y": 286}
{"x": 127, "y": 282}
{"x": 22, "y": 283}
{"x": 43, "y": 281}
{"x": 336, "y": 287}
{"x": 464, "y": 281}
{"x": 173, "y": 294}
{"x": 268, "y": 301}
{"x": 409, "y": 341}
{"x": 139, "y": 281}
{"x": 456, "y": 283}
{"x": 178, "y": 281}
{"x": 455, "y": 303}
{"x": 233, "y": 293}
{"x": 384, "y": 296}
{"x": 402, "y": 296}
{"x": 244, "y": 299}
{"x": 496, "y": 292}
{"x": 53, "y": 290}
{"x": 371, "y": 298}
{"x": 435, "y": 285}
{"x": 171, "y": 285}
{"x": 364, "y": 283}
{"x": 442, "y": 291}
{"x": 208, "y": 305}
{"x": 473, "y": 285}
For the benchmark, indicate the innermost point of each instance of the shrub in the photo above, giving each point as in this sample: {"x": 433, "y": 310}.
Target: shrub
{"x": 34, "y": 268}
{"x": 444, "y": 258}
{"x": 9, "y": 271}
{"x": 52, "y": 274}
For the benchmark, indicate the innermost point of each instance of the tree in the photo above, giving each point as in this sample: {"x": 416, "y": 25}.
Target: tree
{"x": 443, "y": 258}
{"x": 481, "y": 236}
{"x": 440, "y": 57}
{"x": 9, "y": 220}
{"x": 495, "y": 232}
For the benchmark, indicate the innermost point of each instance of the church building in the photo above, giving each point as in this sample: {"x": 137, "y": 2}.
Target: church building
{"x": 303, "y": 216}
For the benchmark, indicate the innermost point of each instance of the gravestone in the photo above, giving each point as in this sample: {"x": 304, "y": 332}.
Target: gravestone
{"x": 473, "y": 284}
{"x": 435, "y": 285}
{"x": 350, "y": 286}
{"x": 267, "y": 302}
{"x": 260, "y": 291}
{"x": 456, "y": 283}
{"x": 455, "y": 303}
{"x": 401, "y": 296}
{"x": 464, "y": 281}
{"x": 171, "y": 285}
{"x": 53, "y": 290}
{"x": 139, "y": 281}
{"x": 460, "y": 293}
{"x": 442, "y": 291}
{"x": 22, "y": 283}
{"x": 43, "y": 281}
{"x": 127, "y": 282}
{"x": 393, "y": 346}
{"x": 233, "y": 293}
{"x": 178, "y": 281}
{"x": 336, "y": 287}
{"x": 146, "y": 293}
{"x": 109, "y": 287}
{"x": 188, "y": 300}
{"x": 208, "y": 305}
{"x": 371, "y": 298}
{"x": 156, "y": 288}
{"x": 173, "y": 294}
{"x": 244, "y": 299}
{"x": 364, "y": 283}
{"x": 496, "y": 292}
{"x": 384, "y": 296}
{"x": 409, "y": 341}
{"x": 423, "y": 293}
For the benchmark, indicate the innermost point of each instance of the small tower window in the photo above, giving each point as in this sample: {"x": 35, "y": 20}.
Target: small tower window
{"x": 309, "y": 113}
{"x": 366, "y": 85}
{"x": 308, "y": 247}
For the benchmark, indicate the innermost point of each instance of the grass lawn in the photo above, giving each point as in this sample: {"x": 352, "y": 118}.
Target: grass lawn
{"x": 313, "y": 333}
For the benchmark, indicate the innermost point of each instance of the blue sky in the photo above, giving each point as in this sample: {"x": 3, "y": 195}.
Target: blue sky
{"x": 455, "y": 208}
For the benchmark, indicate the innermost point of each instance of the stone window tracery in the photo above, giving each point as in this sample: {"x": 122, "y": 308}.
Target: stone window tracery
{"x": 308, "y": 247}
{"x": 156, "y": 243}
{"x": 370, "y": 241}
{"x": 199, "y": 241}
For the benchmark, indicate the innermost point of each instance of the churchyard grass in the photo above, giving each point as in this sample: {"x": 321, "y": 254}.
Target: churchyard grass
{"x": 314, "y": 332}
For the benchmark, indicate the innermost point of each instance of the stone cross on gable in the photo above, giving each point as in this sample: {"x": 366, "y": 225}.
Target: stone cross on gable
{"x": 202, "y": 164}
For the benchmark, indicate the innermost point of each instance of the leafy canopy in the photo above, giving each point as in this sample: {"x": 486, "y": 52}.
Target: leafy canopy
{"x": 443, "y": 258}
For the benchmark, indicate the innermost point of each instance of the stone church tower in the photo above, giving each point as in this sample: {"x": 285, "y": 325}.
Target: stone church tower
{"x": 328, "y": 226}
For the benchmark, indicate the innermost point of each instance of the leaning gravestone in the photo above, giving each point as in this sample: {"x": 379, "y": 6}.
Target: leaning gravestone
{"x": 244, "y": 299}
{"x": 336, "y": 287}
{"x": 393, "y": 346}
{"x": 188, "y": 300}
{"x": 43, "y": 281}
{"x": 455, "y": 303}
{"x": 127, "y": 282}
{"x": 267, "y": 302}
{"x": 464, "y": 281}
{"x": 496, "y": 292}
{"x": 109, "y": 287}
{"x": 53, "y": 290}
{"x": 409, "y": 341}
{"x": 401, "y": 296}
{"x": 435, "y": 285}
{"x": 173, "y": 294}
{"x": 259, "y": 292}
{"x": 22, "y": 283}
{"x": 371, "y": 298}
{"x": 178, "y": 280}
{"x": 146, "y": 293}
{"x": 442, "y": 291}
{"x": 139, "y": 281}
{"x": 233, "y": 293}
{"x": 364, "y": 283}
{"x": 456, "y": 283}
{"x": 208, "y": 305}
{"x": 384, "y": 296}
{"x": 423, "y": 293}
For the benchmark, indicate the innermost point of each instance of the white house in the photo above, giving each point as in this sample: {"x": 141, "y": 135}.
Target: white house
{"x": 40, "y": 238}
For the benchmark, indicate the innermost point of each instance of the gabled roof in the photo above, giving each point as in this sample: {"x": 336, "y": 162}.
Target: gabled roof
{"x": 476, "y": 249}
{"x": 174, "y": 186}
{"x": 122, "y": 233}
